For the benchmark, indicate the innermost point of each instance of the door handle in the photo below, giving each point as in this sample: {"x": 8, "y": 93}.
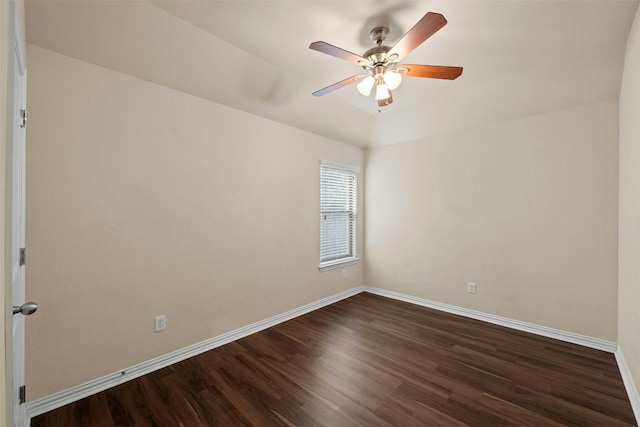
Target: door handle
{"x": 27, "y": 308}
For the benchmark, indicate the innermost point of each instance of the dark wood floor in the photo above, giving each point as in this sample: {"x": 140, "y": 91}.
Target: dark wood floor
{"x": 370, "y": 361}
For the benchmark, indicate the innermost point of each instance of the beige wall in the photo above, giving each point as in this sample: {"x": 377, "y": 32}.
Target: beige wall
{"x": 141, "y": 201}
{"x": 527, "y": 209}
{"x": 629, "y": 246}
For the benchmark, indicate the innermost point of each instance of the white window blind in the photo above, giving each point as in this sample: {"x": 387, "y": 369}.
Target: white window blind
{"x": 338, "y": 202}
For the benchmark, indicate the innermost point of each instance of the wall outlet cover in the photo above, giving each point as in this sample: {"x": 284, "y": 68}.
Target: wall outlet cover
{"x": 160, "y": 323}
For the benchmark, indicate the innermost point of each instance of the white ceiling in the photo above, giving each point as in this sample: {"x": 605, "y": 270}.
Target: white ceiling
{"x": 520, "y": 58}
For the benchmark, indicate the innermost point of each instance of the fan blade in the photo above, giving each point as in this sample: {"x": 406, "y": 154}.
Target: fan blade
{"x": 430, "y": 71}
{"x": 332, "y": 50}
{"x": 335, "y": 86}
{"x": 425, "y": 28}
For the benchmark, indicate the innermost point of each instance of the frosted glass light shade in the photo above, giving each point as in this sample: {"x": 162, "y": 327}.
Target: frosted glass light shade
{"x": 381, "y": 92}
{"x": 392, "y": 79}
{"x": 364, "y": 87}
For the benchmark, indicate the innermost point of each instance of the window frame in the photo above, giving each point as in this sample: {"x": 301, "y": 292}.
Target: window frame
{"x": 352, "y": 240}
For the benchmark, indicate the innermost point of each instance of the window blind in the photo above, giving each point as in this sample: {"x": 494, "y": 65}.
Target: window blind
{"x": 338, "y": 202}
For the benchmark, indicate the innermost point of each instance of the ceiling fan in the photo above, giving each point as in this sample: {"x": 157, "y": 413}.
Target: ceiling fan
{"x": 381, "y": 62}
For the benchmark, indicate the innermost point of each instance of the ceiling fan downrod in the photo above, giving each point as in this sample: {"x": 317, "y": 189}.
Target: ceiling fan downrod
{"x": 377, "y": 55}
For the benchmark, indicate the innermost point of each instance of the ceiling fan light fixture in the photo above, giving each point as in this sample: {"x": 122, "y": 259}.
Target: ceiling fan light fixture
{"x": 382, "y": 92}
{"x": 386, "y": 101}
{"x": 392, "y": 79}
{"x": 365, "y": 86}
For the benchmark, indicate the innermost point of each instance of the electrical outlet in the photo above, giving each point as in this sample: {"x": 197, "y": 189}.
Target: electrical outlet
{"x": 471, "y": 287}
{"x": 160, "y": 323}
{"x": 344, "y": 274}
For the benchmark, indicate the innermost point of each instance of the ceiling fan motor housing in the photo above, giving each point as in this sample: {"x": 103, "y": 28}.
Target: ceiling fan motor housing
{"x": 377, "y": 55}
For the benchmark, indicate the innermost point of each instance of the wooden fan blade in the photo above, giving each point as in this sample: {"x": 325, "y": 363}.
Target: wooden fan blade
{"x": 430, "y": 71}
{"x": 332, "y": 50}
{"x": 424, "y": 28}
{"x": 335, "y": 86}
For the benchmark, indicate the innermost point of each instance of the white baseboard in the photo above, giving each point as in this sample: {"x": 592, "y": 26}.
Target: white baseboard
{"x": 629, "y": 384}
{"x": 81, "y": 391}
{"x": 583, "y": 340}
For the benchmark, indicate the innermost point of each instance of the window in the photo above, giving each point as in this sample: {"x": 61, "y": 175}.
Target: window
{"x": 338, "y": 202}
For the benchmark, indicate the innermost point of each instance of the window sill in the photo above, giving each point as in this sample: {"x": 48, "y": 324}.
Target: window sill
{"x": 337, "y": 264}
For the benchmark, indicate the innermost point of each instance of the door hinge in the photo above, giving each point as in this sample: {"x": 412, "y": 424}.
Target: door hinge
{"x": 23, "y": 256}
{"x": 23, "y": 118}
{"x": 22, "y": 394}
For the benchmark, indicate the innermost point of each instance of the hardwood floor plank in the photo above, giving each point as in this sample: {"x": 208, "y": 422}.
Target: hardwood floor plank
{"x": 220, "y": 411}
{"x": 370, "y": 361}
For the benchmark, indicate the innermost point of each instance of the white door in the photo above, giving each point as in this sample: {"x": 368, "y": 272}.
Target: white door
{"x": 16, "y": 213}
